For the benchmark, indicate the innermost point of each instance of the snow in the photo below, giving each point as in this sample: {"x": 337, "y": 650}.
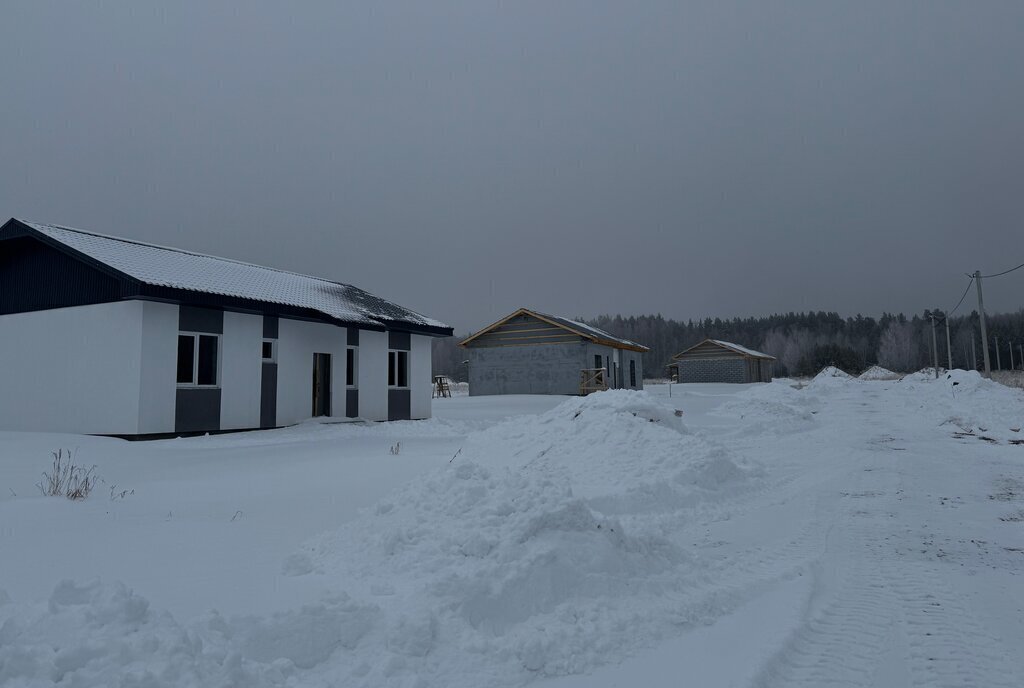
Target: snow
{"x": 830, "y": 376}
{"x": 595, "y": 332}
{"x": 742, "y": 349}
{"x": 877, "y": 372}
{"x": 844, "y": 533}
{"x": 170, "y": 267}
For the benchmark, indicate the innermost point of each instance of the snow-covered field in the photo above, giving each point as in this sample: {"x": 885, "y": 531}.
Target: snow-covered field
{"x": 850, "y": 532}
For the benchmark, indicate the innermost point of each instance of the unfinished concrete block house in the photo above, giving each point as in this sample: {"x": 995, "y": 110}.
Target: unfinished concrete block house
{"x": 110, "y": 336}
{"x": 529, "y": 352}
{"x": 716, "y": 361}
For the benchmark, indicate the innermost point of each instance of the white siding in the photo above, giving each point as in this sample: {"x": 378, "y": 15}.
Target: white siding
{"x": 421, "y": 376}
{"x": 72, "y": 369}
{"x": 297, "y": 342}
{"x": 373, "y": 375}
{"x": 241, "y": 371}
{"x": 159, "y": 367}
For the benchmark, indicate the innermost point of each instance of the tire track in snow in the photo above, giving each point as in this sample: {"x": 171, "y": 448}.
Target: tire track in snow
{"x": 849, "y": 617}
{"x": 878, "y": 621}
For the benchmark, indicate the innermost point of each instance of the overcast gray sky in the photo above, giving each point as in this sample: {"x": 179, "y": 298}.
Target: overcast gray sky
{"x": 466, "y": 158}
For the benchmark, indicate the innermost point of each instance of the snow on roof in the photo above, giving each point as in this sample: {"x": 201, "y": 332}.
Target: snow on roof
{"x": 590, "y": 331}
{"x": 175, "y": 268}
{"x": 741, "y": 349}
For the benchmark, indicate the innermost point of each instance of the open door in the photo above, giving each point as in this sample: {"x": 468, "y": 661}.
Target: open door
{"x": 321, "y": 385}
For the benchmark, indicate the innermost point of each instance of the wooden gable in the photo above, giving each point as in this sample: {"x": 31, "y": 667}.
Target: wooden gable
{"x": 522, "y": 328}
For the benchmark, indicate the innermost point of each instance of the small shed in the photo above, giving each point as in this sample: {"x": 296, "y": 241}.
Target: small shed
{"x": 529, "y": 352}
{"x": 716, "y": 361}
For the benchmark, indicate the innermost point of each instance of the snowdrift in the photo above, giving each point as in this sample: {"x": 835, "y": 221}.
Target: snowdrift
{"x": 546, "y": 547}
{"x": 962, "y": 401}
{"x": 543, "y": 548}
{"x": 877, "y": 372}
{"x": 773, "y": 409}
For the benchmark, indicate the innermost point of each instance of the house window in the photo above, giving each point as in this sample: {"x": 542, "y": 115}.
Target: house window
{"x": 350, "y": 367}
{"x": 269, "y": 351}
{"x": 197, "y": 359}
{"x": 597, "y": 361}
{"x": 398, "y": 368}
{"x": 632, "y": 372}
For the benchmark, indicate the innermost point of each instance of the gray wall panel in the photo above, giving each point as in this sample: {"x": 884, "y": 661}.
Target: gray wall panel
{"x": 399, "y": 340}
{"x": 197, "y": 409}
{"x": 195, "y": 319}
{"x": 270, "y": 326}
{"x": 268, "y": 396}
{"x": 399, "y": 404}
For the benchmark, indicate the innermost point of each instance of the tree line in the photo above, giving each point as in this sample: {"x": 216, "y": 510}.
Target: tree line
{"x": 804, "y": 343}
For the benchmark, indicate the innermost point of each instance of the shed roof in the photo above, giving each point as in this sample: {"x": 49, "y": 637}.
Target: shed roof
{"x": 735, "y": 348}
{"x": 594, "y": 334}
{"x": 162, "y": 266}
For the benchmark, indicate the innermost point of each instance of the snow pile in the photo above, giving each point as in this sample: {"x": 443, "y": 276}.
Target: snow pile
{"x": 832, "y": 373}
{"x": 105, "y": 635}
{"x": 965, "y": 402}
{"x": 545, "y": 547}
{"x": 924, "y": 375}
{"x": 877, "y": 372}
{"x": 548, "y": 546}
{"x": 776, "y": 408}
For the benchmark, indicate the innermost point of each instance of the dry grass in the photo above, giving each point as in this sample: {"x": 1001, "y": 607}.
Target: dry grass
{"x": 1010, "y": 378}
{"x": 66, "y": 479}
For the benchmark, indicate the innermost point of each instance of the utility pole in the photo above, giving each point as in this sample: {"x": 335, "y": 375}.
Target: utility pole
{"x": 999, "y": 366}
{"x": 974, "y": 353}
{"x": 949, "y": 350}
{"x": 935, "y": 350}
{"x": 984, "y": 329}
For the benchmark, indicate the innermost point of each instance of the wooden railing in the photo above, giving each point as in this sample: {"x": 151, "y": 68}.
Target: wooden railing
{"x": 441, "y": 387}
{"x": 593, "y": 380}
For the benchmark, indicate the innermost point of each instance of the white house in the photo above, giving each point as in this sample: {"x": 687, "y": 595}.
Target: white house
{"x": 111, "y": 336}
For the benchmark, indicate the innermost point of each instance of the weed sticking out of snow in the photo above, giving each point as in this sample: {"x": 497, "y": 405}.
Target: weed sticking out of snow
{"x": 67, "y": 479}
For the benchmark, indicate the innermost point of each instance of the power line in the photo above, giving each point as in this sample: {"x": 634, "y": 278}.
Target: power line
{"x": 962, "y": 297}
{"x": 1004, "y": 272}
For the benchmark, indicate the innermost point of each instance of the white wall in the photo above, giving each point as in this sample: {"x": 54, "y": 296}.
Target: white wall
{"x": 159, "y": 367}
{"x": 373, "y": 375}
{"x": 241, "y": 359}
{"x": 421, "y": 376}
{"x": 72, "y": 369}
{"x": 297, "y": 342}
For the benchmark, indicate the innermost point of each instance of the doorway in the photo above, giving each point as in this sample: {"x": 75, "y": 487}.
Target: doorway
{"x": 321, "y": 385}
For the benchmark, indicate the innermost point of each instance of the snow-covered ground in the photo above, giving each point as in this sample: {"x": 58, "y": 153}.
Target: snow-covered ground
{"x": 848, "y": 532}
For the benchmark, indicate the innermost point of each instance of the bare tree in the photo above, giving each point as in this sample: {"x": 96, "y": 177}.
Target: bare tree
{"x": 897, "y": 349}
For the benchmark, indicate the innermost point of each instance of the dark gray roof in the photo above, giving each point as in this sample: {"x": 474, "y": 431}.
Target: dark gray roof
{"x": 178, "y": 269}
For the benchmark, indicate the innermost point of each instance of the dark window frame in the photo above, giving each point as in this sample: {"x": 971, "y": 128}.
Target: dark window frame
{"x": 352, "y": 367}
{"x": 398, "y": 369}
{"x": 272, "y": 358}
{"x": 199, "y": 339}
{"x": 632, "y": 372}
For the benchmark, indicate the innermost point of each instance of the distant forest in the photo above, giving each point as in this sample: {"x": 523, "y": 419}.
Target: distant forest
{"x": 804, "y": 343}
